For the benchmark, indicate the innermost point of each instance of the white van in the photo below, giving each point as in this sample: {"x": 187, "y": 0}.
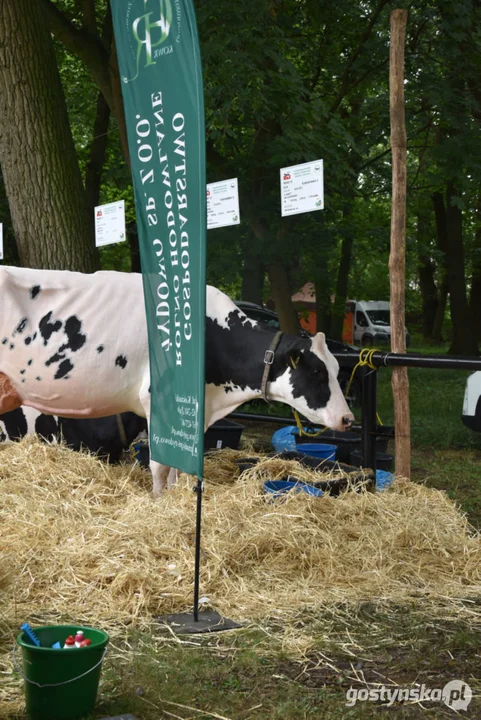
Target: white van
{"x": 371, "y": 322}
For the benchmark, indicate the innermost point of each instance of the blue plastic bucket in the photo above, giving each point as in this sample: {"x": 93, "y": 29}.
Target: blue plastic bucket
{"x": 318, "y": 450}
{"x": 142, "y": 454}
{"x": 279, "y": 487}
{"x": 383, "y": 479}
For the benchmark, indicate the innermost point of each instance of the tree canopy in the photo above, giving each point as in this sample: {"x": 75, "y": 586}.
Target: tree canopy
{"x": 285, "y": 82}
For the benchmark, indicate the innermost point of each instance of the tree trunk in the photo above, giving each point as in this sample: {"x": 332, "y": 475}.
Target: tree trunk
{"x": 475, "y": 295}
{"x": 441, "y": 311}
{"x": 40, "y": 168}
{"x": 10, "y": 250}
{"x": 339, "y": 309}
{"x": 281, "y": 294}
{"x": 441, "y": 239}
{"x": 397, "y": 258}
{"x": 117, "y": 108}
{"x": 426, "y": 272}
{"x": 276, "y": 270}
{"x": 462, "y": 342}
{"x": 95, "y": 164}
{"x": 475, "y": 305}
{"x": 429, "y": 295}
{"x": 133, "y": 239}
{"x": 252, "y": 274}
{"x": 323, "y": 298}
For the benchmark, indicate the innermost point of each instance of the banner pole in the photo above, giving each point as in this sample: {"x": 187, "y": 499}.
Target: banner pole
{"x": 199, "y": 489}
{"x": 162, "y": 87}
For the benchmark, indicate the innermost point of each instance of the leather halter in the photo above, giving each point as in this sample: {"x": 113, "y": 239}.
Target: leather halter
{"x": 269, "y": 356}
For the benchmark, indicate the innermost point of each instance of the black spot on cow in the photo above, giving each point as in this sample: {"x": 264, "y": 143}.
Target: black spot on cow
{"x": 15, "y": 424}
{"x": 54, "y": 358}
{"x": 38, "y": 378}
{"x": 310, "y": 380}
{"x": 47, "y": 328}
{"x": 22, "y": 372}
{"x": 47, "y": 427}
{"x": 34, "y": 291}
{"x": 3, "y": 437}
{"x": 228, "y": 389}
{"x": 4, "y": 341}
{"x": 121, "y": 361}
{"x": 23, "y": 380}
{"x": 11, "y": 346}
{"x": 21, "y": 326}
{"x": 243, "y": 348}
{"x": 62, "y": 370}
{"x": 29, "y": 362}
{"x": 30, "y": 339}
{"x": 76, "y": 339}
{"x": 100, "y": 348}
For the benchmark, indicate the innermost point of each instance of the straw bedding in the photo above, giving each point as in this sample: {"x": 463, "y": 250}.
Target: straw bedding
{"x": 87, "y": 541}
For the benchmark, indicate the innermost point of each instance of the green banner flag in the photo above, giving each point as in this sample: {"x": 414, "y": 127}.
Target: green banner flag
{"x": 161, "y": 76}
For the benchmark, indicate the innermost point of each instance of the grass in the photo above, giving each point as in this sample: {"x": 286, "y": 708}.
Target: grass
{"x": 436, "y": 404}
{"x": 445, "y": 453}
{"x": 246, "y": 674}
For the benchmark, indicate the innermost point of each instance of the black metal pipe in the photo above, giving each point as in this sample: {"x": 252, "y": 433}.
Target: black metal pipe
{"x": 379, "y": 429}
{"x": 282, "y": 420}
{"x": 199, "y": 489}
{"x": 265, "y": 418}
{"x": 368, "y": 414}
{"x": 382, "y": 359}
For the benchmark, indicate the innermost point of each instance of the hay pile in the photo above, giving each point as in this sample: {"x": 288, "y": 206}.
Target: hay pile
{"x": 85, "y": 541}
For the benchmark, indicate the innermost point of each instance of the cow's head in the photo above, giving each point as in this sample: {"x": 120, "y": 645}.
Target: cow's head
{"x": 309, "y": 384}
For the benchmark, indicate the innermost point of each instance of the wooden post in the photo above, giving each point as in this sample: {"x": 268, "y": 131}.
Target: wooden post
{"x": 397, "y": 258}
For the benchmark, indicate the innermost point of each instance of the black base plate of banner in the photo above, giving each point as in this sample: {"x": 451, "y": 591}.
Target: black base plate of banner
{"x": 209, "y": 621}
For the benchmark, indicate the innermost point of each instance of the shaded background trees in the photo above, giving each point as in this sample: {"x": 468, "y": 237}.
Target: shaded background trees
{"x": 287, "y": 81}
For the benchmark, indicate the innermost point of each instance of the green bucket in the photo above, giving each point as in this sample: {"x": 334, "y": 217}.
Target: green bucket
{"x": 61, "y": 684}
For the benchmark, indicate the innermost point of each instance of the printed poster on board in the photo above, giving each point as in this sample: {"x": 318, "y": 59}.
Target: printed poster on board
{"x": 161, "y": 79}
{"x": 223, "y": 204}
{"x": 302, "y": 188}
{"x": 110, "y": 223}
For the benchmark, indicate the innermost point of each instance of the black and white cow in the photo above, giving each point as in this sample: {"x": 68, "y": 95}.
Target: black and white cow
{"x": 106, "y": 437}
{"x": 75, "y": 345}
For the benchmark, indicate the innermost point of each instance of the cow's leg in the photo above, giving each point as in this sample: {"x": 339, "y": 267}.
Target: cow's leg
{"x": 160, "y": 477}
{"x": 159, "y": 472}
{"x": 9, "y": 397}
{"x": 171, "y": 478}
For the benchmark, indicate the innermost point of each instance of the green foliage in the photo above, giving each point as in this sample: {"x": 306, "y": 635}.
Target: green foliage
{"x": 224, "y": 258}
{"x": 286, "y": 82}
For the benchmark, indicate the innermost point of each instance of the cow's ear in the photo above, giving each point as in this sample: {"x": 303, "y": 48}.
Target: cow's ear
{"x": 319, "y": 342}
{"x": 293, "y": 358}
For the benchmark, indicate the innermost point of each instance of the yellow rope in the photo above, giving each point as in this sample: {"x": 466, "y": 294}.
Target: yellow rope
{"x": 303, "y": 432}
{"x": 365, "y": 360}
